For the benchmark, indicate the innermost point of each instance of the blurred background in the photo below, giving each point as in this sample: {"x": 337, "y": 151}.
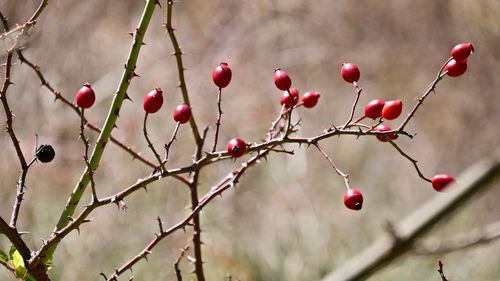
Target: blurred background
{"x": 286, "y": 219}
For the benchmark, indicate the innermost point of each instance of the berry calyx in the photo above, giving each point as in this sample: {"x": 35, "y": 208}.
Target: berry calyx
{"x": 455, "y": 68}
{"x": 45, "y": 153}
{"x": 373, "y": 109}
{"x": 310, "y": 99}
{"x": 236, "y": 147}
{"x": 350, "y": 72}
{"x": 286, "y": 100}
{"x": 182, "y": 113}
{"x": 441, "y": 181}
{"x": 222, "y": 75}
{"x": 392, "y": 109}
{"x": 462, "y": 51}
{"x": 282, "y": 80}
{"x": 384, "y": 128}
{"x": 353, "y": 199}
{"x": 153, "y": 101}
{"x": 85, "y": 97}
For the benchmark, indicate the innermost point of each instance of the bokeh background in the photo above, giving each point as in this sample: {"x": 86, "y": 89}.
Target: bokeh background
{"x": 286, "y": 220}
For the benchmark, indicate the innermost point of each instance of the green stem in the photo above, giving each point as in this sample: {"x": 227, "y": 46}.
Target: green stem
{"x": 110, "y": 122}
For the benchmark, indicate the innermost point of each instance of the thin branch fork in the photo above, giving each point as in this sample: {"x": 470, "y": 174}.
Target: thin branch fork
{"x": 441, "y": 271}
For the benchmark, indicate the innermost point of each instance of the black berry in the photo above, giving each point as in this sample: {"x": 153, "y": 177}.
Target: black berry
{"x": 45, "y": 153}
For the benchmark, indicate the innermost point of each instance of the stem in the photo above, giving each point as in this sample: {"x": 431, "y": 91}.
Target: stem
{"x": 217, "y": 124}
{"x": 413, "y": 161}
{"x": 171, "y": 141}
{"x": 337, "y": 170}
{"x": 150, "y": 144}
{"x": 110, "y": 122}
{"x": 86, "y": 155}
{"x": 180, "y": 68}
{"x": 358, "y": 94}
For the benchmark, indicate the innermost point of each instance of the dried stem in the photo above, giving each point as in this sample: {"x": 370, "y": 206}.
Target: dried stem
{"x": 219, "y": 116}
{"x": 180, "y": 68}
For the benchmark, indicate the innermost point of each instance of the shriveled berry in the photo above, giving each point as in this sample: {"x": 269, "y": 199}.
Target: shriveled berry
{"x": 310, "y": 99}
{"x": 350, "y": 72}
{"x": 45, "y": 153}
{"x": 353, "y": 199}
{"x": 456, "y": 68}
{"x": 392, "y": 109}
{"x": 462, "y": 51}
{"x": 384, "y": 128}
{"x": 222, "y": 75}
{"x": 236, "y": 147}
{"x": 85, "y": 97}
{"x": 286, "y": 100}
{"x": 153, "y": 101}
{"x": 182, "y": 113}
{"x": 282, "y": 80}
{"x": 373, "y": 109}
{"x": 441, "y": 181}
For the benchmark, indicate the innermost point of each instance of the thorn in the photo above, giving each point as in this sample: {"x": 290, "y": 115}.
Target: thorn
{"x": 158, "y": 3}
{"x": 131, "y": 34}
{"x": 127, "y": 97}
{"x": 134, "y": 74}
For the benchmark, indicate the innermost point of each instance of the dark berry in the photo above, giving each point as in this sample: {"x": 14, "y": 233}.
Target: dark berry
{"x": 45, "y": 153}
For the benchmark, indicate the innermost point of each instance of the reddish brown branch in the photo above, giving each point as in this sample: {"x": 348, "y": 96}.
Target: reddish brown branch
{"x": 178, "y": 260}
{"x": 353, "y": 108}
{"x": 217, "y": 123}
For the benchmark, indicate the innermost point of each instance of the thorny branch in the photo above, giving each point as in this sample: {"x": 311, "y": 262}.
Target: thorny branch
{"x": 440, "y": 270}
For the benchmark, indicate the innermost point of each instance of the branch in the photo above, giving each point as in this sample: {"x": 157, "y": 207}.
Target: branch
{"x": 150, "y": 144}
{"x": 177, "y": 261}
{"x": 440, "y": 270}
{"x": 472, "y": 182}
{"x": 180, "y": 68}
{"x": 217, "y": 123}
{"x": 353, "y": 109}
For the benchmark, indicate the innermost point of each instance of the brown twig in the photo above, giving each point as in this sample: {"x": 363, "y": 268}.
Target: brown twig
{"x": 178, "y": 260}
{"x": 217, "y": 123}
{"x": 180, "y": 68}
{"x": 413, "y": 161}
{"x": 353, "y": 108}
{"x": 86, "y": 155}
{"x": 150, "y": 144}
{"x": 170, "y": 142}
{"x": 337, "y": 170}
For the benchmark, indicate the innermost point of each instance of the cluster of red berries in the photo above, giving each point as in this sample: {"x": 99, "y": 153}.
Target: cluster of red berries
{"x": 154, "y": 100}
{"x": 390, "y": 110}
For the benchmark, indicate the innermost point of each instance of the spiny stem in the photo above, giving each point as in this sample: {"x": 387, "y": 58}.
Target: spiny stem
{"x": 217, "y": 124}
{"x": 150, "y": 144}
{"x": 353, "y": 109}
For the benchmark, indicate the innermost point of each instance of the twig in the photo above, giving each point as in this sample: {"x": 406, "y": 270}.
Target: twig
{"x": 440, "y": 270}
{"x": 353, "y": 109}
{"x": 170, "y": 142}
{"x": 431, "y": 89}
{"x": 150, "y": 144}
{"x": 337, "y": 170}
{"x": 413, "y": 161}
{"x": 219, "y": 116}
{"x": 275, "y": 123}
{"x": 86, "y": 155}
{"x": 180, "y": 68}
{"x": 178, "y": 260}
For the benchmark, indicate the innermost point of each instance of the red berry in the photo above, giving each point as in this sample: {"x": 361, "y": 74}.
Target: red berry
{"x": 287, "y": 101}
{"x": 384, "y": 128}
{"x": 222, "y": 75}
{"x": 236, "y": 147}
{"x": 85, "y": 97}
{"x": 310, "y": 99}
{"x": 353, "y": 199}
{"x": 456, "y": 68}
{"x": 373, "y": 109}
{"x": 441, "y": 181}
{"x": 153, "y": 101}
{"x": 462, "y": 51}
{"x": 392, "y": 109}
{"x": 350, "y": 72}
{"x": 282, "y": 80}
{"x": 182, "y": 113}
